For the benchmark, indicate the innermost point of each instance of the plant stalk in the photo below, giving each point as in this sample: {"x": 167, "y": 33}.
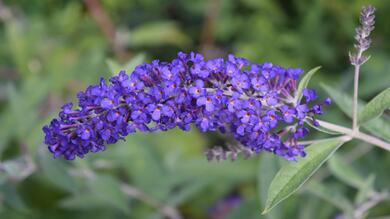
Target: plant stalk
{"x": 355, "y": 126}
{"x": 356, "y": 134}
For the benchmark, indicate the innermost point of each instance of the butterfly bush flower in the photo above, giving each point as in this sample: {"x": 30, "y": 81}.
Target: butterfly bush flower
{"x": 252, "y": 102}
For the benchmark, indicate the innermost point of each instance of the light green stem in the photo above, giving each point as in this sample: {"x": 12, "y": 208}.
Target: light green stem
{"x": 355, "y": 126}
{"x": 356, "y": 134}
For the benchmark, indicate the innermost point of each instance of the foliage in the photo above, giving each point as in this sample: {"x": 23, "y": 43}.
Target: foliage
{"x": 52, "y": 49}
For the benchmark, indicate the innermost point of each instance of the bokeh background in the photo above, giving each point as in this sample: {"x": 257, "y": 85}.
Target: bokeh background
{"x": 50, "y": 49}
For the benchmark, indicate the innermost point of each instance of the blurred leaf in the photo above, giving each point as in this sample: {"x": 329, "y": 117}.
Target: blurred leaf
{"x": 114, "y": 66}
{"x": 293, "y": 175}
{"x": 82, "y": 201}
{"x": 12, "y": 198}
{"x": 108, "y": 189}
{"x": 18, "y": 44}
{"x": 15, "y": 168}
{"x": 334, "y": 197}
{"x": 345, "y": 172}
{"x": 378, "y": 127}
{"x": 375, "y": 74}
{"x": 303, "y": 83}
{"x": 269, "y": 165}
{"x": 188, "y": 191}
{"x": 246, "y": 209}
{"x": 375, "y": 107}
{"x": 129, "y": 67}
{"x": 134, "y": 61}
{"x": 157, "y": 34}
{"x": 367, "y": 186}
{"x": 56, "y": 172}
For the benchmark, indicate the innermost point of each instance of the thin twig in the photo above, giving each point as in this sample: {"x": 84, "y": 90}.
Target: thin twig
{"x": 207, "y": 32}
{"x": 108, "y": 28}
{"x": 314, "y": 141}
{"x": 376, "y": 198}
{"x": 356, "y": 134}
{"x": 355, "y": 126}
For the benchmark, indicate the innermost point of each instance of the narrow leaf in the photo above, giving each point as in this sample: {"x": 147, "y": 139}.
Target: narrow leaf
{"x": 113, "y": 66}
{"x": 330, "y": 195}
{"x": 345, "y": 172}
{"x": 129, "y": 67}
{"x": 136, "y": 60}
{"x": 82, "y": 201}
{"x": 376, "y": 106}
{"x": 304, "y": 82}
{"x": 293, "y": 175}
{"x": 56, "y": 172}
{"x": 158, "y": 34}
{"x": 107, "y": 189}
{"x": 268, "y": 167}
{"x": 365, "y": 190}
{"x": 378, "y": 127}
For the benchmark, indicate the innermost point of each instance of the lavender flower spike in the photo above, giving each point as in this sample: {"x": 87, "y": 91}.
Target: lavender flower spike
{"x": 252, "y": 102}
{"x": 363, "y": 42}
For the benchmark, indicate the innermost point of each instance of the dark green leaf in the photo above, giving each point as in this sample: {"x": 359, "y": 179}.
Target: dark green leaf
{"x": 129, "y": 67}
{"x": 334, "y": 197}
{"x": 375, "y": 107}
{"x": 269, "y": 165}
{"x": 56, "y": 172}
{"x": 378, "y": 127}
{"x": 345, "y": 172}
{"x": 293, "y": 175}
{"x": 367, "y": 186}
{"x": 82, "y": 201}
{"x": 158, "y": 34}
{"x": 108, "y": 189}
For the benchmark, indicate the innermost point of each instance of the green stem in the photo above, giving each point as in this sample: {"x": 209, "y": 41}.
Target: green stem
{"x": 309, "y": 142}
{"x": 355, "y": 126}
{"x": 356, "y": 134}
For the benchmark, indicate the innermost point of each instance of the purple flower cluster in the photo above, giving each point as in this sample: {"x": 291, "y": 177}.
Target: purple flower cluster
{"x": 252, "y": 102}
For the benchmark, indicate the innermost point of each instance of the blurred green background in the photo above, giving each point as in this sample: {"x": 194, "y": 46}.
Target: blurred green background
{"x": 50, "y": 49}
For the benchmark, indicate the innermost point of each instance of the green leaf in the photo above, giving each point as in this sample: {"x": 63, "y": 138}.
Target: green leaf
{"x": 293, "y": 175}
{"x": 330, "y": 195}
{"x": 113, "y": 66}
{"x": 345, "y": 172}
{"x": 158, "y": 34}
{"x": 108, "y": 189}
{"x": 129, "y": 67}
{"x": 304, "y": 82}
{"x": 133, "y": 62}
{"x": 365, "y": 190}
{"x": 82, "y": 201}
{"x": 378, "y": 127}
{"x": 15, "y": 168}
{"x": 375, "y": 107}
{"x": 12, "y": 197}
{"x": 56, "y": 172}
{"x": 342, "y": 100}
{"x": 269, "y": 165}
